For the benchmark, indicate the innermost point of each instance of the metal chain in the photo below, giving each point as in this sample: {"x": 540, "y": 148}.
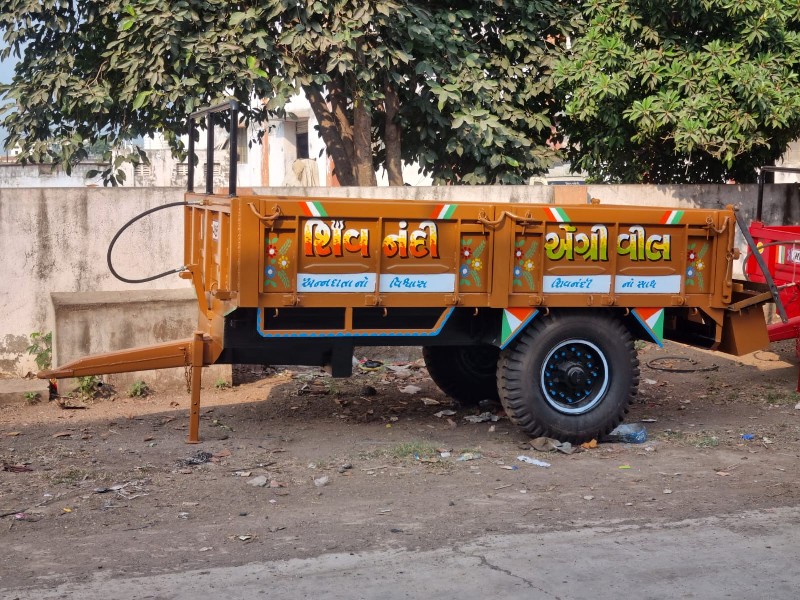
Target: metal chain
{"x": 187, "y": 373}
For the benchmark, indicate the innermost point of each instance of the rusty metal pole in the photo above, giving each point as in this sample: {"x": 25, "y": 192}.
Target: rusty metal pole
{"x": 197, "y": 378}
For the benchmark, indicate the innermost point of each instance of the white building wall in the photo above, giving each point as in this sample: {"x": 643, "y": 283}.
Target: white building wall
{"x": 277, "y": 152}
{"x": 249, "y": 171}
{"x": 15, "y": 175}
{"x": 790, "y": 159}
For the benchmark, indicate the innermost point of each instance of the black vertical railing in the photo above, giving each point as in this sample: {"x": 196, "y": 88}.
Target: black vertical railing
{"x": 233, "y": 107}
{"x": 233, "y": 155}
{"x": 210, "y": 153}
{"x": 190, "y": 182}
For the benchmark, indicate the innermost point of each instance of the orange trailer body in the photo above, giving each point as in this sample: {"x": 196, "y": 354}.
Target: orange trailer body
{"x": 348, "y": 258}
{"x": 291, "y": 280}
{"x": 535, "y": 305}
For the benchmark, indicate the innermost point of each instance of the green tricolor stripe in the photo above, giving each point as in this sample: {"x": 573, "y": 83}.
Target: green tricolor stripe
{"x": 652, "y": 319}
{"x": 558, "y": 214}
{"x": 314, "y": 209}
{"x": 444, "y": 211}
{"x": 514, "y": 319}
{"x": 672, "y": 217}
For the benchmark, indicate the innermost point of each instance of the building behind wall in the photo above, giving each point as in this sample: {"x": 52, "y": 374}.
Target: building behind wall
{"x": 280, "y": 152}
{"x": 791, "y": 158}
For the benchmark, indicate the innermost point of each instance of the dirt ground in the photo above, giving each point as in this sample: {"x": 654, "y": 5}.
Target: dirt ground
{"x": 359, "y": 464}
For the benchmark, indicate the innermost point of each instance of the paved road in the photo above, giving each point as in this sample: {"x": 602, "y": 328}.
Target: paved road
{"x": 750, "y": 555}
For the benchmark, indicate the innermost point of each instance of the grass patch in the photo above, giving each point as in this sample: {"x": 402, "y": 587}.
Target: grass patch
{"x": 782, "y": 397}
{"x": 671, "y": 436}
{"x": 706, "y": 441}
{"x": 412, "y": 450}
{"x": 371, "y": 454}
{"x": 70, "y": 476}
{"x": 698, "y": 439}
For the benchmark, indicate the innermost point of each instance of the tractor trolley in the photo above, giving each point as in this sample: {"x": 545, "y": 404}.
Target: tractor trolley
{"x": 536, "y": 305}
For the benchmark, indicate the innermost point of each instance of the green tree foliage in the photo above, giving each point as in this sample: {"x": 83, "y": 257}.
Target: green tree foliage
{"x": 463, "y": 88}
{"x": 681, "y": 90}
{"x": 487, "y": 99}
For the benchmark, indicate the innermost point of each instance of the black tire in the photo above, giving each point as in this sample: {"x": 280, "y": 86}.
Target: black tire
{"x": 569, "y": 375}
{"x": 466, "y": 373}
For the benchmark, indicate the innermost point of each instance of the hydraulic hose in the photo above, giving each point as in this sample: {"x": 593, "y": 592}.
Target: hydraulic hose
{"x": 119, "y": 233}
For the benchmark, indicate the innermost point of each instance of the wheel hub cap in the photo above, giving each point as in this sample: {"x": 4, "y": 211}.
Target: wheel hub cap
{"x": 574, "y": 377}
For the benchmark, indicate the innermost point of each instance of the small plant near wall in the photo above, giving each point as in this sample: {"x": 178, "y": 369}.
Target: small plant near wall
{"x": 41, "y": 348}
{"x": 32, "y": 397}
{"x": 221, "y": 384}
{"x": 138, "y": 389}
{"x": 88, "y": 386}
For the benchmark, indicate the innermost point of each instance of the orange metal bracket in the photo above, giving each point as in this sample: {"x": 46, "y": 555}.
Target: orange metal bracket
{"x": 161, "y": 356}
{"x": 195, "y": 352}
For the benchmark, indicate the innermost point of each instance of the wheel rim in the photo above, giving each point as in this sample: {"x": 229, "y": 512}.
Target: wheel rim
{"x": 574, "y": 377}
{"x": 479, "y": 359}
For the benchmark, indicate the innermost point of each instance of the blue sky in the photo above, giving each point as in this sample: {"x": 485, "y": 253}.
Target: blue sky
{"x": 6, "y": 70}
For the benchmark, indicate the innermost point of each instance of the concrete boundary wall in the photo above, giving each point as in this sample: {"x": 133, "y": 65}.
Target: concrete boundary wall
{"x": 54, "y": 240}
{"x": 92, "y": 322}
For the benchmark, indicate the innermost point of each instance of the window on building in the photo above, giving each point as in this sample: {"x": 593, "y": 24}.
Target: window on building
{"x": 241, "y": 144}
{"x": 142, "y": 171}
{"x": 217, "y": 169}
{"x": 302, "y": 139}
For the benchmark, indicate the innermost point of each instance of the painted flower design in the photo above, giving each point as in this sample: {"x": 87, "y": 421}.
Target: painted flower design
{"x": 278, "y": 263}
{"x": 524, "y": 254}
{"x": 690, "y": 272}
{"x": 700, "y": 265}
{"x": 471, "y": 261}
{"x": 691, "y": 255}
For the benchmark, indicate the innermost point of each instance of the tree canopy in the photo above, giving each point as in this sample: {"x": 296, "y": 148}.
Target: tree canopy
{"x": 463, "y": 88}
{"x": 473, "y": 91}
{"x": 667, "y": 91}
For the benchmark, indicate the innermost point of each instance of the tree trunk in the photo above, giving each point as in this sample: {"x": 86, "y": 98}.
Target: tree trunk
{"x": 392, "y": 135}
{"x": 331, "y": 133}
{"x": 362, "y": 142}
{"x": 338, "y": 101}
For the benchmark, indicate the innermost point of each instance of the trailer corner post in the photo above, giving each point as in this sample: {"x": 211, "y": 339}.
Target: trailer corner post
{"x": 197, "y": 378}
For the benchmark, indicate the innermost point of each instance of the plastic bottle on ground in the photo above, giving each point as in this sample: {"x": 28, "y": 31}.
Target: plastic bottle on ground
{"x": 628, "y": 433}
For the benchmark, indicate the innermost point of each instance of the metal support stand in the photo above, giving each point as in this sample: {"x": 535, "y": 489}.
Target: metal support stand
{"x": 197, "y": 379}
{"x": 751, "y": 244}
